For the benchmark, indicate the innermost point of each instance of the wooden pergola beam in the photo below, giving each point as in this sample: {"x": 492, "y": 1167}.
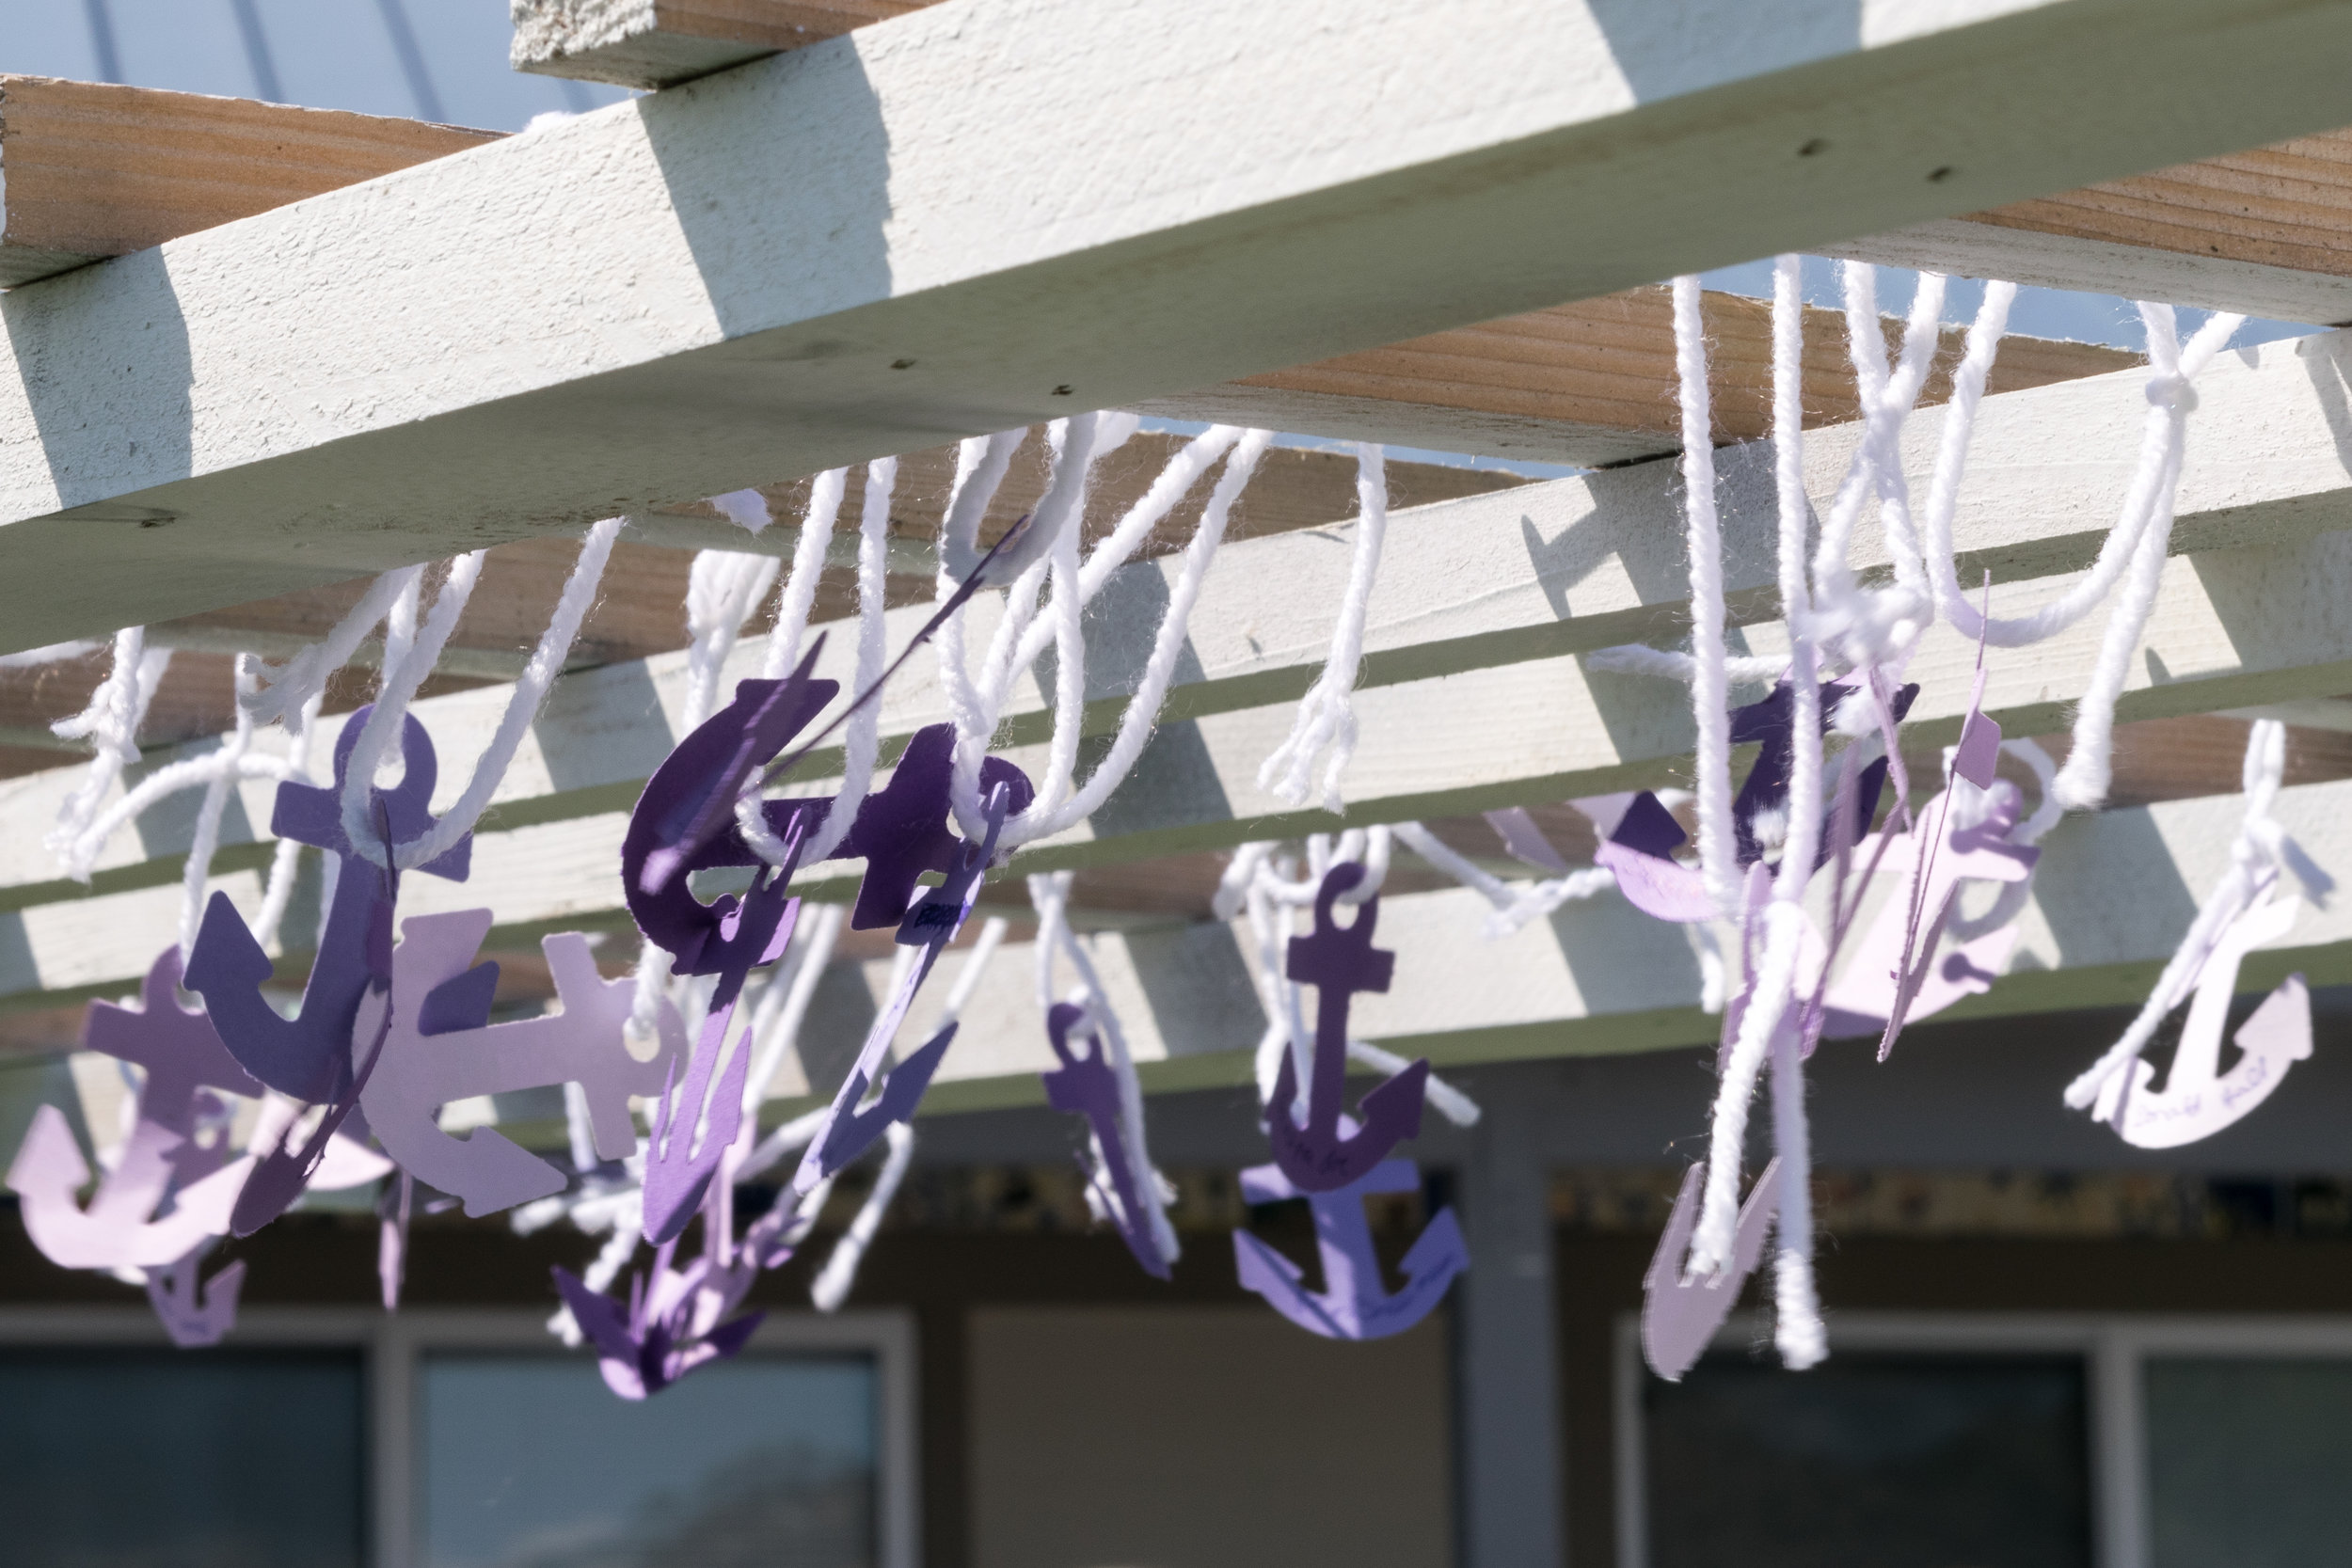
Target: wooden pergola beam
{"x": 2111, "y": 901}
{"x": 1474, "y": 694}
{"x": 162, "y": 451}
{"x": 89, "y": 169}
{"x": 658, "y": 43}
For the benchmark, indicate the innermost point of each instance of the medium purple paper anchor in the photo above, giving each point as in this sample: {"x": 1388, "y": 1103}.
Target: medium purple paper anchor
{"x": 433, "y": 1058}
{"x": 1353, "y": 1302}
{"x": 1339, "y": 960}
{"x": 1679, "y": 1317}
{"x": 195, "y": 1317}
{"x": 184, "y": 1059}
{"x": 310, "y": 1056}
{"x": 849, "y": 1129}
{"x": 667, "y": 1330}
{"x": 2198, "y": 1099}
{"x": 1088, "y": 1086}
{"x": 901, "y": 830}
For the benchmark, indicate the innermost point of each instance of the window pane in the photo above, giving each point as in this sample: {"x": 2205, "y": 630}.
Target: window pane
{"x": 1925, "y": 1461}
{"x": 2247, "y": 1462}
{"x": 530, "y": 1462}
{"x": 205, "y": 1459}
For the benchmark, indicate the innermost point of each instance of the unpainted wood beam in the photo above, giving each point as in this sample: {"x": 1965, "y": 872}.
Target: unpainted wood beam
{"x": 89, "y": 169}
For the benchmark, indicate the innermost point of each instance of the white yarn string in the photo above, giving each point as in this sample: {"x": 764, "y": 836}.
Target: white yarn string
{"x": 2259, "y": 851}
{"x": 55, "y": 653}
{"x": 976, "y": 701}
{"x": 1798, "y": 1327}
{"x": 834, "y": 1281}
{"x": 1864, "y": 626}
{"x": 723, "y": 589}
{"x": 1325, "y": 718}
{"x": 386, "y": 718}
{"x": 1711, "y": 693}
{"x": 288, "y": 687}
{"x": 1784, "y": 920}
{"x": 277, "y": 891}
{"x": 523, "y": 704}
{"x": 111, "y": 725}
{"x": 1635, "y": 659}
{"x": 208, "y": 814}
{"x": 1168, "y": 643}
{"x": 863, "y": 743}
{"x": 808, "y": 569}
{"x": 2082, "y": 782}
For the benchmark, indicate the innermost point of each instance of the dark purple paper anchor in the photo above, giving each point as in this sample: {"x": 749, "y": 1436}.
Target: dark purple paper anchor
{"x": 1353, "y": 1302}
{"x": 310, "y": 1056}
{"x": 1339, "y": 960}
{"x": 850, "y": 1130}
{"x": 1088, "y": 1086}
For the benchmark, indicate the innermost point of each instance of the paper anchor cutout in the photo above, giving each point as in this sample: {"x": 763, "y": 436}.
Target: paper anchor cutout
{"x": 282, "y": 1175}
{"x": 1317, "y": 1155}
{"x": 901, "y": 830}
{"x": 309, "y": 1055}
{"x": 849, "y": 1129}
{"x": 422, "y": 1070}
{"x": 1896, "y": 974}
{"x": 1680, "y": 1316}
{"x": 196, "y": 1312}
{"x": 1639, "y": 850}
{"x": 1088, "y": 1086}
{"x": 2198, "y": 1099}
{"x": 1354, "y": 1303}
{"x": 668, "y": 1330}
{"x": 185, "y": 1059}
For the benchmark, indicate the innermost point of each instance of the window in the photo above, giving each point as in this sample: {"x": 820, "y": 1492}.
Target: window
{"x": 436, "y": 1439}
{"x": 1947, "y": 1440}
{"x": 529, "y": 1461}
{"x": 241, "y": 1460}
{"x": 1936, "y": 1461}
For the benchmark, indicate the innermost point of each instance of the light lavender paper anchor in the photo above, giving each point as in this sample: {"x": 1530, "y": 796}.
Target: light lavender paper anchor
{"x": 1896, "y": 975}
{"x": 2198, "y": 1099}
{"x": 422, "y": 1068}
{"x": 196, "y": 1312}
{"x": 184, "y": 1059}
{"x": 1679, "y": 1316}
{"x": 1354, "y": 1303}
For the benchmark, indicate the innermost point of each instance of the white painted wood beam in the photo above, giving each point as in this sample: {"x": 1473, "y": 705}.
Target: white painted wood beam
{"x": 1474, "y": 697}
{"x": 2114, "y": 896}
{"x": 651, "y": 301}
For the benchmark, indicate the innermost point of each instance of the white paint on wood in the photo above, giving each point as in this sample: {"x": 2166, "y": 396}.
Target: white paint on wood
{"x": 651, "y": 301}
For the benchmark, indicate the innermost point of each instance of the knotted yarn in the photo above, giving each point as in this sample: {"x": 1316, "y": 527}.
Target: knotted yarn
{"x": 1325, "y": 718}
